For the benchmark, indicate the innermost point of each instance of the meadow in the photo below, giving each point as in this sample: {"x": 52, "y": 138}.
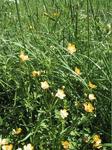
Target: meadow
{"x": 55, "y": 74}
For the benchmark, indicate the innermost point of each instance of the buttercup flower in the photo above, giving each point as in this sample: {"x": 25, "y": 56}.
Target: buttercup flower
{"x": 7, "y": 147}
{"x": 28, "y": 147}
{"x": 71, "y": 48}
{"x": 77, "y": 71}
{"x": 36, "y": 73}
{"x": 97, "y": 141}
{"x": 63, "y": 113}
{"x": 23, "y": 57}
{"x": 60, "y": 94}
{"x": 92, "y": 97}
{"x": 88, "y": 107}
{"x": 17, "y": 131}
{"x": 65, "y": 144}
{"x": 91, "y": 85}
{"x": 44, "y": 85}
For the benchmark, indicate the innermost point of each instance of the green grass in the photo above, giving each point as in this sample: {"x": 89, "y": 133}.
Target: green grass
{"x": 32, "y": 27}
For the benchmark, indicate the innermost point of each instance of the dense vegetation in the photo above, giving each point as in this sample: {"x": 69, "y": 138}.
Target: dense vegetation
{"x": 55, "y": 74}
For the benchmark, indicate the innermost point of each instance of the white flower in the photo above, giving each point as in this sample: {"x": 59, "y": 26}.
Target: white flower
{"x": 28, "y": 147}
{"x": 3, "y": 141}
{"x": 44, "y": 85}
{"x": 63, "y": 113}
{"x": 92, "y": 97}
{"x": 19, "y": 149}
{"x": 60, "y": 94}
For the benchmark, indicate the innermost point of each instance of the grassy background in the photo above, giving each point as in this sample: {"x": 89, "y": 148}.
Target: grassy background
{"x": 42, "y": 29}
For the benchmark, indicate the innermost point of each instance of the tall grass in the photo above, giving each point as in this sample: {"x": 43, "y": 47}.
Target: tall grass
{"x": 43, "y": 29}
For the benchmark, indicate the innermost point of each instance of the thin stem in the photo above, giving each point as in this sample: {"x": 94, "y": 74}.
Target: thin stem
{"x": 19, "y": 19}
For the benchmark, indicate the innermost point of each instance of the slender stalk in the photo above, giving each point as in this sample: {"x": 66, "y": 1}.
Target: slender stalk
{"x": 88, "y": 32}
{"x": 19, "y": 19}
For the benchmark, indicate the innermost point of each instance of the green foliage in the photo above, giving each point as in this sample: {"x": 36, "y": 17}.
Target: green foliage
{"x": 42, "y": 30}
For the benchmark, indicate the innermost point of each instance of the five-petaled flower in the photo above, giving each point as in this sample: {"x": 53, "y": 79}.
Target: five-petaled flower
{"x": 23, "y": 57}
{"x": 71, "y": 48}
{"x": 63, "y": 113}
{"x": 88, "y": 107}
{"x": 97, "y": 141}
{"x": 28, "y": 147}
{"x": 65, "y": 144}
{"x": 60, "y": 94}
{"x": 44, "y": 85}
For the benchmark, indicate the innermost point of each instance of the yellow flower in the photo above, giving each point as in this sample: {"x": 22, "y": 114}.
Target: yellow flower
{"x": 36, "y": 73}
{"x": 97, "y": 141}
{"x": 23, "y": 57}
{"x": 28, "y": 147}
{"x": 17, "y": 131}
{"x": 60, "y": 94}
{"x": 3, "y": 141}
{"x": 91, "y": 85}
{"x": 92, "y": 97}
{"x": 65, "y": 144}
{"x": 71, "y": 48}
{"x": 55, "y": 14}
{"x": 44, "y": 85}
{"x": 88, "y": 107}
{"x": 77, "y": 71}
{"x": 7, "y": 147}
{"x": 63, "y": 113}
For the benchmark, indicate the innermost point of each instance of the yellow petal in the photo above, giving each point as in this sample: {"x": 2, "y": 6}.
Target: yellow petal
{"x": 23, "y": 57}
{"x": 7, "y": 147}
{"x": 71, "y": 48}
{"x": 91, "y": 85}
{"x": 36, "y": 73}
{"x": 77, "y": 71}
{"x": 65, "y": 144}
{"x": 88, "y": 107}
{"x": 17, "y": 131}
